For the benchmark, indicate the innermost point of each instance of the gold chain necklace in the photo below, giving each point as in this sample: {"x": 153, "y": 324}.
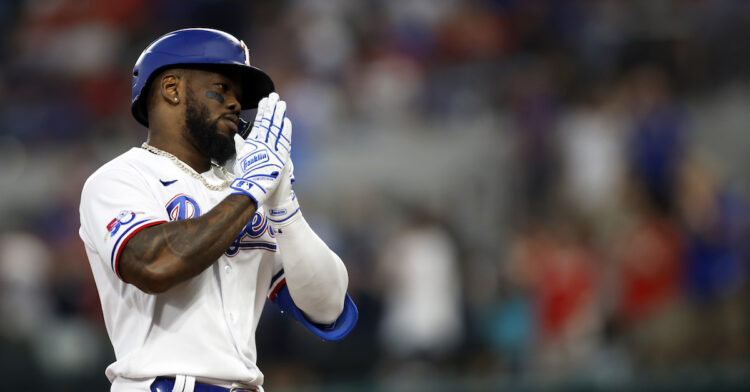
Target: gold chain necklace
{"x": 189, "y": 170}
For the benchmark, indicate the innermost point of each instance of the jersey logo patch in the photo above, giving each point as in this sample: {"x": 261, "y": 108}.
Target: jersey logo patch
{"x": 183, "y": 207}
{"x": 167, "y": 183}
{"x": 250, "y": 237}
{"x": 123, "y": 218}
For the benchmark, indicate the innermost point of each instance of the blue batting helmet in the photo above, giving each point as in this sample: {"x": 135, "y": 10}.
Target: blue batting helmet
{"x": 197, "y": 47}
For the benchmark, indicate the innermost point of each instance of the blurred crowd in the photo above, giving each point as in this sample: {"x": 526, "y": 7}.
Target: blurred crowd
{"x": 534, "y": 191}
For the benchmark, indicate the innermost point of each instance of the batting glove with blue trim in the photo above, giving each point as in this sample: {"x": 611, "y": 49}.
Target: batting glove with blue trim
{"x": 263, "y": 155}
{"x": 282, "y": 206}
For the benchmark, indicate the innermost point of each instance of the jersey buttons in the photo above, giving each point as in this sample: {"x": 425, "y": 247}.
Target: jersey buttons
{"x": 227, "y": 268}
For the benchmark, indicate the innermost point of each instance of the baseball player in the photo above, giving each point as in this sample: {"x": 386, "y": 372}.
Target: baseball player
{"x": 184, "y": 253}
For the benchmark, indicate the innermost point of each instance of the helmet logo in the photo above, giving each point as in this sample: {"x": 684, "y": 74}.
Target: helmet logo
{"x": 247, "y": 52}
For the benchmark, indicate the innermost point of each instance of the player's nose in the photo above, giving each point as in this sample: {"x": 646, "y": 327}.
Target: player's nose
{"x": 232, "y": 103}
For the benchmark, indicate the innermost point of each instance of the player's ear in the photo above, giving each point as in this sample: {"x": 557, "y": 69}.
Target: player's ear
{"x": 169, "y": 87}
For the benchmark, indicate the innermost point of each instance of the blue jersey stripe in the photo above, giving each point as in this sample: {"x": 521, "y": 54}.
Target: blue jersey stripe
{"x": 278, "y": 274}
{"x": 112, "y": 257}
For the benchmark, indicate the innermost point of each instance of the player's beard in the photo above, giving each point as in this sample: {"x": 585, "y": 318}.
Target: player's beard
{"x": 204, "y": 134}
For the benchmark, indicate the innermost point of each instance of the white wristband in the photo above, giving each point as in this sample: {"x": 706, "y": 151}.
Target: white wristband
{"x": 284, "y": 215}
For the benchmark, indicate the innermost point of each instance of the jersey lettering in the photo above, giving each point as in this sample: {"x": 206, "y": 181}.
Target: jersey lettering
{"x": 183, "y": 207}
{"x": 251, "y": 236}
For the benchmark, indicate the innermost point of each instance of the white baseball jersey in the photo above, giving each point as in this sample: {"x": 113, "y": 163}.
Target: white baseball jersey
{"x": 204, "y": 327}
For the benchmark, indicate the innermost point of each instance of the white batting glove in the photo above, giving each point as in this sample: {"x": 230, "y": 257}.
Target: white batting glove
{"x": 282, "y": 206}
{"x": 263, "y": 155}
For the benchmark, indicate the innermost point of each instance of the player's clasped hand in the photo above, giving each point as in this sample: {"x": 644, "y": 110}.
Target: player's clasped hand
{"x": 262, "y": 156}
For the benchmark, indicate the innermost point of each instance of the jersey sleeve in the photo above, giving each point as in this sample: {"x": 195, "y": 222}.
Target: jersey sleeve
{"x": 115, "y": 205}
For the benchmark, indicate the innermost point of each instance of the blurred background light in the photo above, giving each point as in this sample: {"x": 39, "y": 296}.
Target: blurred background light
{"x": 529, "y": 195}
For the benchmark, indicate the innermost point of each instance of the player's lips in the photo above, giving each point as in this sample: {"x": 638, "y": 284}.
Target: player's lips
{"x": 234, "y": 120}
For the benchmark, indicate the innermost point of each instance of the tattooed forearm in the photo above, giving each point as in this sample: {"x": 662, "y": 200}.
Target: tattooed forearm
{"x": 161, "y": 256}
{"x": 209, "y": 235}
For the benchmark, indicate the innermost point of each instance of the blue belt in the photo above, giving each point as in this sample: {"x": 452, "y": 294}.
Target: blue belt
{"x": 166, "y": 384}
